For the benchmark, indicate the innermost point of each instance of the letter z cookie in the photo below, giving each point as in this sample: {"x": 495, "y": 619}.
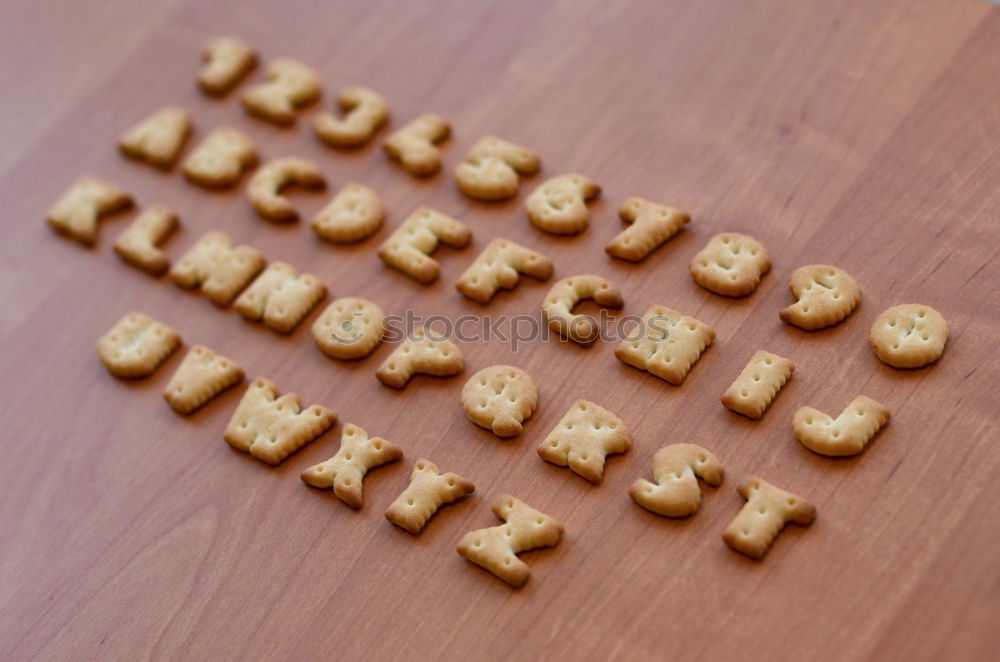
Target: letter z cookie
{"x": 159, "y": 139}
{"x": 669, "y": 345}
{"x": 202, "y": 375}
{"x": 584, "y": 438}
{"x": 824, "y": 296}
{"x": 428, "y": 490}
{"x": 345, "y": 471}
{"x": 76, "y": 213}
{"x": 651, "y": 226}
{"x": 763, "y": 516}
{"x": 731, "y": 264}
{"x": 137, "y": 345}
{"x": 758, "y": 384}
{"x": 500, "y": 398}
{"x": 909, "y": 336}
{"x": 499, "y": 267}
{"x": 677, "y": 469}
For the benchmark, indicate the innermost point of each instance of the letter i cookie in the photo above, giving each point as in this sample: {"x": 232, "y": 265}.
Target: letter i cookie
{"x": 758, "y": 384}
{"x": 345, "y": 471}
{"x": 584, "y": 438}
{"x": 428, "y": 490}
{"x": 137, "y": 345}
{"x": 202, "y": 375}
{"x": 845, "y": 435}
{"x": 651, "y": 226}
{"x": 763, "y": 516}
{"x": 500, "y": 398}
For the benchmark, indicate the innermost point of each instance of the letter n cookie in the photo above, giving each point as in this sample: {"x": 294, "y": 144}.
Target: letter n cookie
{"x": 217, "y": 268}
{"x": 499, "y": 267}
{"x": 137, "y": 345}
{"x": 584, "y": 438}
{"x": 409, "y": 247}
{"x": 824, "y": 296}
{"x": 280, "y": 297}
{"x": 763, "y": 516}
{"x": 415, "y": 145}
{"x": 428, "y": 490}
{"x": 345, "y": 471}
{"x": 288, "y": 86}
{"x": 201, "y": 376}
{"x": 500, "y": 398}
{"x": 497, "y": 547}
{"x": 909, "y": 336}
{"x": 420, "y": 354}
{"x": 651, "y": 226}
{"x": 76, "y": 213}
{"x": 490, "y": 171}
{"x": 559, "y": 206}
{"x": 845, "y": 435}
{"x": 731, "y": 264}
{"x": 669, "y": 343}
{"x": 159, "y": 139}
{"x": 138, "y": 245}
{"x": 758, "y": 384}
{"x": 677, "y": 469}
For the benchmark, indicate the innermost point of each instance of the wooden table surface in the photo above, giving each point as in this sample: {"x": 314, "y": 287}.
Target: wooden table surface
{"x": 864, "y": 134}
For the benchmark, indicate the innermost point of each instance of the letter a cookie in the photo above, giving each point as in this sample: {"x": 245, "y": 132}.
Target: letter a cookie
{"x": 845, "y": 435}
{"x": 420, "y": 354}
{"x": 499, "y": 267}
{"x": 137, "y": 345}
{"x": 490, "y": 171}
{"x": 415, "y": 145}
{"x": 500, "y": 398}
{"x": 281, "y": 297}
{"x": 824, "y": 296}
{"x": 731, "y": 264}
{"x": 158, "y": 139}
{"x": 752, "y": 392}
{"x": 497, "y": 547}
{"x": 409, "y": 247}
{"x": 651, "y": 226}
{"x": 559, "y": 206}
{"x": 584, "y": 438}
{"x": 669, "y": 344}
{"x": 677, "y": 469}
{"x": 428, "y": 490}
{"x": 345, "y": 471}
{"x": 557, "y": 308}
{"x": 763, "y": 516}
{"x": 76, "y": 213}
{"x": 202, "y": 375}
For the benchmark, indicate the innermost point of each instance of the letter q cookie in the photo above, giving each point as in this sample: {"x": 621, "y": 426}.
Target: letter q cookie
{"x": 500, "y": 398}
{"x": 909, "y": 336}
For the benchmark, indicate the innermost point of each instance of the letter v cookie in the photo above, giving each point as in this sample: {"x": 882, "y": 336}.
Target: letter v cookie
{"x": 845, "y": 435}
{"x": 497, "y": 547}
{"x": 201, "y": 376}
{"x": 668, "y": 345}
{"x": 428, "y": 490}
{"x": 409, "y": 247}
{"x": 763, "y": 516}
{"x": 824, "y": 296}
{"x": 498, "y": 267}
{"x": 677, "y": 468}
{"x": 420, "y": 354}
{"x": 76, "y": 213}
{"x": 137, "y": 345}
{"x": 345, "y": 471}
{"x": 584, "y": 438}
{"x": 651, "y": 226}
{"x": 500, "y": 398}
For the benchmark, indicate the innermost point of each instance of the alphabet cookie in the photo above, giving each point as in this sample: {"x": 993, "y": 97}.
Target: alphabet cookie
{"x": 354, "y": 214}
{"x": 217, "y": 268}
{"x": 349, "y": 328}
{"x": 365, "y": 112}
{"x": 415, "y": 145}
{"x": 138, "y": 244}
{"x": 226, "y": 62}
{"x": 824, "y": 296}
{"x": 500, "y": 398}
{"x": 201, "y": 376}
{"x": 677, "y": 468}
{"x": 428, "y": 490}
{"x": 758, "y": 384}
{"x": 137, "y": 345}
{"x": 266, "y": 185}
{"x": 345, "y": 471}
{"x": 669, "y": 343}
{"x": 490, "y": 171}
{"x": 409, "y": 247}
{"x": 221, "y": 158}
{"x": 763, "y": 516}
{"x": 584, "y": 438}
{"x": 497, "y": 547}
{"x": 557, "y": 309}
{"x": 288, "y": 86}
{"x": 420, "y": 354}
{"x": 559, "y": 206}
{"x": 76, "y": 213}
{"x": 651, "y": 225}
{"x": 731, "y": 264}
{"x": 281, "y": 297}
{"x": 499, "y": 267}
{"x": 910, "y": 335}
{"x": 158, "y": 139}
{"x": 845, "y": 435}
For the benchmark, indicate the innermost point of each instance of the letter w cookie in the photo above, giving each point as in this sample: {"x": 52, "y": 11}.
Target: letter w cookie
{"x": 584, "y": 438}
{"x": 669, "y": 345}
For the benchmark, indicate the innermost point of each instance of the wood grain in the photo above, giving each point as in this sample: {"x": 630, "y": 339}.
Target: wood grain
{"x": 864, "y": 135}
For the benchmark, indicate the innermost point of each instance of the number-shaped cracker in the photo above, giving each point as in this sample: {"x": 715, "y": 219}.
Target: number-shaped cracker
{"x": 428, "y": 490}
{"x": 136, "y": 345}
{"x": 763, "y": 516}
{"x": 910, "y": 335}
{"x": 677, "y": 468}
{"x": 365, "y": 111}
{"x": 824, "y": 296}
{"x": 500, "y": 398}
{"x": 845, "y": 435}
{"x": 355, "y": 213}
{"x": 349, "y": 328}
{"x": 557, "y": 308}
{"x": 668, "y": 344}
{"x": 270, "y": 427}
{"x": 221, "y": 159}
{"x": 559, "y": 206}
{"x": 584, "y": 438}
{"x": 651, "y": 225}
{"x": 217, "y": 268}
{"x": 226, "y": 62}
{"x": 497, "y": 547}
{"x": 758, "y": 384}
{"x": 201, "y": 376}
{"x": 731, "y": 264}
{"x": 138, "y": 244}
{"x": 281, "y": 297}
{"x": 490, "y": 171}
{"x": 409, "y": 247}
{"x": 288, "y": 86}
{"x": 76, "y": 213}
{"x": 499, "y": 267}
{"x": 264, "y": 189}
{"x": 415, "y": 145}
{"x": 158, "y": 139}
{"x": 420, "y": 354}
{"x": 345, "y": 471}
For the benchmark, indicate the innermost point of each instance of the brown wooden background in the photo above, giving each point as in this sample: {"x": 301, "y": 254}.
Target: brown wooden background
{"x": 863, "y": 134}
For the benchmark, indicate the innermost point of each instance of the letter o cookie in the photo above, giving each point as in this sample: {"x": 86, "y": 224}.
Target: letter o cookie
{"x": 731, "y": 264}
{"x": 911, "y": 335}
{"x": 824, "y": 296}
{"x": 500, "y": 398}
{"x": 349, "y": 328}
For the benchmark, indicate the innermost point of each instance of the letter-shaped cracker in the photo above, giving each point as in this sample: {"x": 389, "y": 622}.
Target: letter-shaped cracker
{"x": 651, "y": 226}
{"x": 270, "y": 427}
{"x": 217, "y": 268}
{"x": 763, "y": 516}
{"x": 557, "y": 308}
{"x": 500, "y": 398}
{"x": 76, "y": 213}
{"x": 490, "y": 171}
{"x": 345, "y": 471}
{"x": 428, "y": 490}
{"x": 584, "y": 438}
{"x": 731, "y": 264}
{"x": 137, "y": 245}
{"x": 415, "y": 145}
{"x": 498, "y": 267}
{"x": 497, "y": 547}
{"x": 264, "y": 189}
{"x": 409, "y": 247}
{"x": 281, "y": 297}
{"x": 201, "y": 376}
{"x": 365, "y": 111}
{"x": 824, "y": 296}
{"x": 758, "y": 384}
{"x": 559, "y": 206}
{"x": 677, "y": 468}
{"x": 845, "y": 435}
{"x": 910, "y": 335}
{"x": 288, "y": 86}
{"x": 221, "y": 158}
{"x": 349, "y": 328}
{"x": 423, "y": 355}
{"x": 158, "y": 139}
{"x": 226, "y": 62}
{"x": 355, "y": 213}
{"x": 137, "y": 345}
{"x": 669, "y": 343}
